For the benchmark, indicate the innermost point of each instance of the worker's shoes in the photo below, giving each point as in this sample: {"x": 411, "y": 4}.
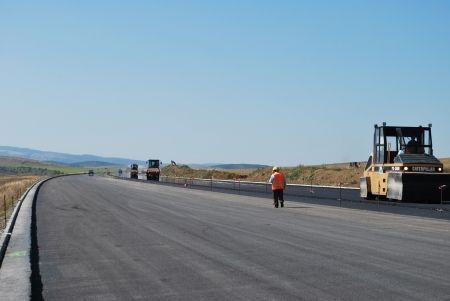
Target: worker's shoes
{"x": 275, "y": 205}
{"x": 281, "y": 204}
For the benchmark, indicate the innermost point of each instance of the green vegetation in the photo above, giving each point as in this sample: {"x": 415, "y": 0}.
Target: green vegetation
{"x": 16, "y": 166}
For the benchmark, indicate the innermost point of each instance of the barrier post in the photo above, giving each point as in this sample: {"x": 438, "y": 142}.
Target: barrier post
{"x": 4, "y": 206}
{"x": 311, "y": 179}
{"x": 239, "y": 186}
{"x": 340, "y": 194}
{"x": 441, "y": 188}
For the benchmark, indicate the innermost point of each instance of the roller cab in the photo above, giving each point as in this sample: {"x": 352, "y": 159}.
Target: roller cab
{"x": 153, "y": 171}
{"x": 402, "y": 167}
{"x": 134, "y": 171}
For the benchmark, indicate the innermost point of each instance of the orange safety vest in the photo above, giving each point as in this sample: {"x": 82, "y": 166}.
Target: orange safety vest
{"x": 278, "y": 181}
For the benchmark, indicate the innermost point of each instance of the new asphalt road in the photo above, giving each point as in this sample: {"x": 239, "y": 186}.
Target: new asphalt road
{"x": 108, "y": 239}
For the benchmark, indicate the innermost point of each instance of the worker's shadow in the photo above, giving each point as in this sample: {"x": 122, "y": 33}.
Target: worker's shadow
{"x": 296, "y": 207}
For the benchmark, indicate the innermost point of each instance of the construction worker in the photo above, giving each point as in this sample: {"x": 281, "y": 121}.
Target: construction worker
{"x": 278, "y": 185}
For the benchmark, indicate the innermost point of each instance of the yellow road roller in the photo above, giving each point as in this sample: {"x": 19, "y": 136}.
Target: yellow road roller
{"x": 402, "y": 167}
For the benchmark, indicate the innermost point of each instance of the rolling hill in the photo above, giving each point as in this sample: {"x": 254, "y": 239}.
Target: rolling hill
{"x": 18, "y": 166}
{"x": 55, "y": 157}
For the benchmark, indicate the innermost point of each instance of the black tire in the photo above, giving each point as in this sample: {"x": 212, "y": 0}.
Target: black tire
{"x": 370, "y": 196}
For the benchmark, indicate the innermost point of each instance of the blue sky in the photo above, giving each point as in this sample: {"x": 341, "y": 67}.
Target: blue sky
{"x": 270, "y": 82}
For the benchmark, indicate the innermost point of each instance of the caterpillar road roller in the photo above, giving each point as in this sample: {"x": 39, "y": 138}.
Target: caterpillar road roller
{"x": 402, "y": 167}
{"x": 153, "y": 170}
{"x": 134, "y": 171}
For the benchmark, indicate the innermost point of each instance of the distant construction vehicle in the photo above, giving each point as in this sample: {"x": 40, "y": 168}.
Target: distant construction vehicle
{"x": 402, "y": 167}
{"x": 134, "y": 171}
{"x": 153, "y": 171}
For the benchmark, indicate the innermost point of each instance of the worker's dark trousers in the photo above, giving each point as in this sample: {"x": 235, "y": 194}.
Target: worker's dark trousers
{"x": 278, "y": 195}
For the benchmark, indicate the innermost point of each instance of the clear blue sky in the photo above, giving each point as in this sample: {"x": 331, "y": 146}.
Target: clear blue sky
{"x": 270, "y": 82}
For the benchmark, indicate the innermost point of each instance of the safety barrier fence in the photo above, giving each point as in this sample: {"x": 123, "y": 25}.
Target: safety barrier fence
{"x": 312, "y": 191}
{"x": 333, "y": 195}
{"x": 11, "y": 212}
{"x": 11, "y": 193}
{"x": 7, "y": 205}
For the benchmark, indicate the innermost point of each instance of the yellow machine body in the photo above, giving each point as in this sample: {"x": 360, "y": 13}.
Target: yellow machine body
{"x": 402, "y": 167}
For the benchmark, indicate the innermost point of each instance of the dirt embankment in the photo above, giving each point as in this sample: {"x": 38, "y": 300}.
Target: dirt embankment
{"x": 187, "y": 172}
{"x": 327, "y": 174}
{"x": 316, "y": 175}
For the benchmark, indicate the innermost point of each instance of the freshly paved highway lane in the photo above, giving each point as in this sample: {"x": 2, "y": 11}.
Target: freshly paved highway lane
{"x": 108, "y": 239}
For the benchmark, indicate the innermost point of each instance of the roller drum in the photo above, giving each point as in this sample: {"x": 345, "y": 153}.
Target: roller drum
{"x": 418, "y": 187}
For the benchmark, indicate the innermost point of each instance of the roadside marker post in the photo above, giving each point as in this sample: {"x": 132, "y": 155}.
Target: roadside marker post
{"x": 441, "y": 188}
{"x": 378, "y": 196}
{"x": 239, "y": 186}
{"x": 4, "y": 206}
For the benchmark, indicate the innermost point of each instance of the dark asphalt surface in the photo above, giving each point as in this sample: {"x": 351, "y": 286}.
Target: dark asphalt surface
{"x": 107, "y": 239}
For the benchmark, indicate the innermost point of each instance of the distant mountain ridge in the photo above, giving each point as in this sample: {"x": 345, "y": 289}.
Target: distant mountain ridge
{"x": 94, "y": 164}
{"x": 64, "y": 158}
{"x": 85, "y": 164}
{"x": 99, "y": 161}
